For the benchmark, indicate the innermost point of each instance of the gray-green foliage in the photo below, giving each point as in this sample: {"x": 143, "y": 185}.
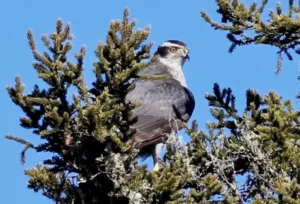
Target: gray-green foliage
{"x": 245, "y": 25}
{"x": 88, "y": 132}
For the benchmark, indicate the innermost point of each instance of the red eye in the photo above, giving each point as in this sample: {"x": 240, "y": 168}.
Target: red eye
{"x": 173, "y": 49}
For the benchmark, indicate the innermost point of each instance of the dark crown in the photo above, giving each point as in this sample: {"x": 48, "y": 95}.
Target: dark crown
{"x": 177, "y": 42}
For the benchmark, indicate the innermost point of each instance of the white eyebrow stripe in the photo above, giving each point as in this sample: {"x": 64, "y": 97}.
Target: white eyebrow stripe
{"x": 168, "y": 44}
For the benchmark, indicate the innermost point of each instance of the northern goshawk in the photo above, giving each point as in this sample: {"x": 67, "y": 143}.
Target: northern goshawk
{"x": 165, "y": 103}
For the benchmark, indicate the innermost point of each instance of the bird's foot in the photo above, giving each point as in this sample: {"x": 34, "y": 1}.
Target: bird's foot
{"x": 156, "y": 167}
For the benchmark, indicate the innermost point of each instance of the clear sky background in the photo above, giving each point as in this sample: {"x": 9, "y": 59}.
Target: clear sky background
{"x": 248, "y": 67}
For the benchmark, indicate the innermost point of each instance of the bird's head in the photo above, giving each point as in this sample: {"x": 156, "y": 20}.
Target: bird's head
{"x": 173, "y": 51}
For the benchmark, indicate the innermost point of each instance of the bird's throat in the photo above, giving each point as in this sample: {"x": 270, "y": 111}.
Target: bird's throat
{"x": 175, "y": 69}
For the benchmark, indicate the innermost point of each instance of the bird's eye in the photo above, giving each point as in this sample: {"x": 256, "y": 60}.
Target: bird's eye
{"x": 173, "y": 49}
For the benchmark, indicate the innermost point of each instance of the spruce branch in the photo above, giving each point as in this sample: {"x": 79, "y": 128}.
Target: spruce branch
{"x": 93, "y": 124}
{"x": 245, "y": 25}
{"x": 27, "y": 145}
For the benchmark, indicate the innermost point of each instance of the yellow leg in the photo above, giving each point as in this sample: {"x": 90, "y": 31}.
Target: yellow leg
{"x": 155, "y": 161}
{"x": 155, "y": 156}
{"x": 156, "y": 167}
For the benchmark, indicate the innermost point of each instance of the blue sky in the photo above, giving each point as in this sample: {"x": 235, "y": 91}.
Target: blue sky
{"x": 248, "y": 67}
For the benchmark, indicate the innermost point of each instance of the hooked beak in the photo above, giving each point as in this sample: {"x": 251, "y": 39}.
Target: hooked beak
{"x": 187, "y": 56}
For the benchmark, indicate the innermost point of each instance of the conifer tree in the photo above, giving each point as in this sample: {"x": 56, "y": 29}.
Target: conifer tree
{"x": 245, "y": 25}
{"x": 87, "y": 131}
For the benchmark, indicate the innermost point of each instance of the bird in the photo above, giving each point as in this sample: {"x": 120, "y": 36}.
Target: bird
{"x": 165, "y": 104}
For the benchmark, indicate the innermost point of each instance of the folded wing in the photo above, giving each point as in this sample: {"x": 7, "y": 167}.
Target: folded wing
{"x": 164, "y": 105}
